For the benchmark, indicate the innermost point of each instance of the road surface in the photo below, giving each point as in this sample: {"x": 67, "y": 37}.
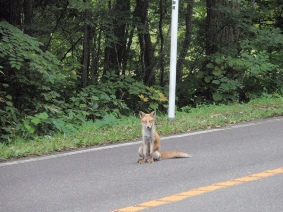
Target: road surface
{"x": 108, "y": 178}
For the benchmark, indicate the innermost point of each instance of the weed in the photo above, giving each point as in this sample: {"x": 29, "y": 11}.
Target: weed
{"x": 112, "y": 130}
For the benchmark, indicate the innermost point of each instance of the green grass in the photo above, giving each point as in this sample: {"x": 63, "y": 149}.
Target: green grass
{"x": 128, "y": 128}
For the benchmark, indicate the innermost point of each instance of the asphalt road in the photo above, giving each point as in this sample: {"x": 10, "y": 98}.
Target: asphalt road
{"x": 108, "y": 178}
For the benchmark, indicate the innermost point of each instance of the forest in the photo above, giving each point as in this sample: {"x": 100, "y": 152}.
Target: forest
{"x": 64, "y": 63}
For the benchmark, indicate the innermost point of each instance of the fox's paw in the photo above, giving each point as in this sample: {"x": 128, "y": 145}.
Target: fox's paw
{"x": 141, "y": 161}
{"x": 151, "y": 160}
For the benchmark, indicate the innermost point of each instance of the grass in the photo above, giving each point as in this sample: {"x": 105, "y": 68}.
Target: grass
{"x": 128, "y": 128}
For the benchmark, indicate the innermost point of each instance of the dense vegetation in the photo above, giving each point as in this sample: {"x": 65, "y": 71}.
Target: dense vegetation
{"x": 67, "y": 63}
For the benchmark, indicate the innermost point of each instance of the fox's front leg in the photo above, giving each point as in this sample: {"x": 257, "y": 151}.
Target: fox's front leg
{"x": 151, "y": 160}
{"x": 142, "y": 153}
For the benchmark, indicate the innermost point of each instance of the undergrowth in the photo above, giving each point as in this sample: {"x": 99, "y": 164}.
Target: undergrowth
{"x": 113, "y": 130}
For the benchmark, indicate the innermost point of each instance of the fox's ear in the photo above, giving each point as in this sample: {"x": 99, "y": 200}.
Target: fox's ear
{"x": 141, "y": 114}
{"x": 153, "y": 113}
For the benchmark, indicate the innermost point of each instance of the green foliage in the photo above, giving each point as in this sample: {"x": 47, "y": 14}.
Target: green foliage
{"x": 21, "y": 51}
{"x": 150, "y": 98}
{"x": 111, "y": 129}
{"x": 262, "y": 59}
{"x": 42, "y": 95}
{"x": 42, "y": 107}
{"x": 26, "y": 74}
{"x": 96, "y": 102}
{"x": 256, "y": 70}
{"x": 135, "y": 94}
{"x": 8, "y": 114}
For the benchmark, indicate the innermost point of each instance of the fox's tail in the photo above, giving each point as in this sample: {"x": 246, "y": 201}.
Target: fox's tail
{"x": 173, "y": 154}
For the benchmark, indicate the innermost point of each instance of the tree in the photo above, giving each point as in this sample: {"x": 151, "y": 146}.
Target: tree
{"x": 11, "y": 11}
{"x": 147, "y": 58}
{"x": 28, "y": 15}
{"x": 187, "y": 40}
{"x": 115, "y": 51}
{"x": 222, "y": 33}
{"x": 86, "y": 47}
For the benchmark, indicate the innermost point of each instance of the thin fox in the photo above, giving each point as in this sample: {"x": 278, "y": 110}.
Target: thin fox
{"x": 151, "y": 142}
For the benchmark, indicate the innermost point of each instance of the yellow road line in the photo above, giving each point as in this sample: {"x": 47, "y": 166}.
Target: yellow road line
{"x": 200, "y": 190}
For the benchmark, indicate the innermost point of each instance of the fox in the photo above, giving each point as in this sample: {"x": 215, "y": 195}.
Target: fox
{"x": 150, "y": 147}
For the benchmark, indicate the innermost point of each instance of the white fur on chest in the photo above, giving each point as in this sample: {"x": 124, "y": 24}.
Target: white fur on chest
{"x": 148, "y": 135}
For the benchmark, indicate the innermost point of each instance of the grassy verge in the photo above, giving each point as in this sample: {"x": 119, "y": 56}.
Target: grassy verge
{"x": 128, "y": 128}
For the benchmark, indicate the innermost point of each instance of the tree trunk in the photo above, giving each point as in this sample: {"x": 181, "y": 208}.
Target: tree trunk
{"x": 278, "y": 13}
{"x": 114, "y": 53}
{"x": 47, "y": 45}
{"x": 146, "y": 55}
{"x": 86, "y": 49}
{"x": 10, "y": 11}
{"x": 28, "y": 13}
{"x": 222, "y": 34}
{"x": 186, "y": 43}
{"x": 161, "y": 36}
{"x": 96, "y": 50}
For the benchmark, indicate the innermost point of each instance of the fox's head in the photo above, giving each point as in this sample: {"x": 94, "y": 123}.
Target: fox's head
{"x": 147, "y": 119}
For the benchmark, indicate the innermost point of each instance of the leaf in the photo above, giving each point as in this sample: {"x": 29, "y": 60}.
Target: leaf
{"x": 217, "y": 97}
{"x": 113, "y": 96}
{"x": 71, "y": 114}
{"x": 144, "y": 99}
{"x": 9, "y": 103}
{"x": 36, "y": 120}
{"x": 95, "y": 98}
{"x": 59, "y": 124}
{"x": 153, "y": 106}
{"x": 105, "y": 97}
{"x": 163, "y": 99}
{"x": 28, "y": 127}
{"x": 18, "y": 66}
{"x": 207, "y": 79}
{"x": 217, "y": 82}
{"x": 82, "y": 105}
{"x": 217, "y": 71}
{"x": 43, "y": 116}
{"x": 9, "y": 97}
{"x": 209, "y": 65}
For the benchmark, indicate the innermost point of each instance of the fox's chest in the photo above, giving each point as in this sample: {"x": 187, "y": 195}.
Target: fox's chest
{"x": 148, "y": 139}
{"x": 148, "y": 136}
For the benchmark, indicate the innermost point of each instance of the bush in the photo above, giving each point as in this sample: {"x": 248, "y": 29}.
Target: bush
{"x": 27, "y": 75}
{"x": 255, "y": 71}
{"x": 37, "y": 99}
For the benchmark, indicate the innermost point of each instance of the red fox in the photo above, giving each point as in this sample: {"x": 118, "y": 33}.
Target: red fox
{"x": 151, "y": 142}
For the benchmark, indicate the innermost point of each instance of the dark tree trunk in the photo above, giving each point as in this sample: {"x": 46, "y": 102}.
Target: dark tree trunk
{"x": 28, "y": 14}
{"x": 146, "y": 55}
{"x": 115, "y": 52}
{"x": 96, "y": 52}
{"x": 222, "y": 33}
{"x": 47, "y": 45}
{"x": 161, "y": 36}
{"x": 186, "y": 43}
{"x": 10, "y": 11}
{"x": 86, "y": 49}
{"x": 278, "y": 14}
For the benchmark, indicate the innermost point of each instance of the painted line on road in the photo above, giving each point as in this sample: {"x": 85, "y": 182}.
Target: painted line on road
{"x": 200, "y": 190}
{"x": 59, "y": 155}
